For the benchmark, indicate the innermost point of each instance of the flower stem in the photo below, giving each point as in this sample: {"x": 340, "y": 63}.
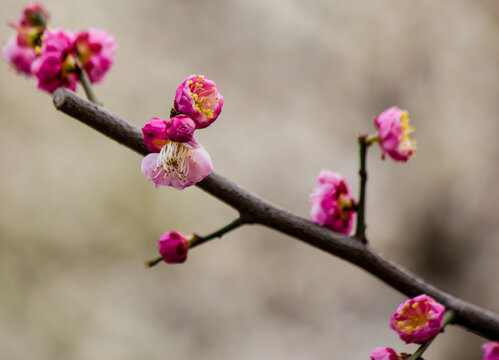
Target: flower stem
{"x": 360, "y": 231}
{"x": 448, "y": 317}
{"x": 85, "y": 82}
{"x": 198, "y": 240}
{"x": 219, "y": 233}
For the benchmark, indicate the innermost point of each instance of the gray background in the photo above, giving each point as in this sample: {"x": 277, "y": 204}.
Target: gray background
{"x": 77, "y": 217}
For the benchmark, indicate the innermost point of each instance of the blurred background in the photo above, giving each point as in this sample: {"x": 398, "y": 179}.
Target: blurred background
{"x": 78, "y": 218}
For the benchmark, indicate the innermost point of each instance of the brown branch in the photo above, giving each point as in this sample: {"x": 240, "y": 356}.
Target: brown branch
{"x": 253, "y": 209}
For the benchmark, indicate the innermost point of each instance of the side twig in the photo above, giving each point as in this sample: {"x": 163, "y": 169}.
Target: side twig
{"x": 198, "y": 240}
{"x": 256, "y": 210}
{"x": 85, "y": 83}
{"x": 360, "y": 231}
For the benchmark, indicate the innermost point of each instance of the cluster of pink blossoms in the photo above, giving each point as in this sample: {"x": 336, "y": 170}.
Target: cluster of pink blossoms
{"x": 417, "y": 321}
{"x": 53, "y": 56}
{"x": 177, "y": 159}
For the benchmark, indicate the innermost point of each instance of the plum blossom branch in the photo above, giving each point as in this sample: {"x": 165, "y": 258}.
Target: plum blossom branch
{"x": 253, "y": 209}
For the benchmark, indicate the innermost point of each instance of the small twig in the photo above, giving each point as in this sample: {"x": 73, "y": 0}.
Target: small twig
{"x": 360, "y": 231}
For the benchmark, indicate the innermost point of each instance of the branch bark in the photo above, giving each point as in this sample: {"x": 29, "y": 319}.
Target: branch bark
{"x": 253, "y": 209}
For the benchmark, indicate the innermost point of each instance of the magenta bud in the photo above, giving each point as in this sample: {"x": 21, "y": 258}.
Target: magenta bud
{"x": 383, "y": 354}
{"x": 180, "y": 128}
{"x": 173, "y": 247}
{"x": 34, "y": 14}
{"x": 154, "y": 133}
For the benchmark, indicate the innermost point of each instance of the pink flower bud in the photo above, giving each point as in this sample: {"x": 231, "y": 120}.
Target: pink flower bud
{"x": 180, "y": 128}
{"x": 155, "y": 134}
{"x": 31, "y": 24}
{"x": 96, "y": 50}
{"x": 173, "y": 247}
{"x": 383, "y": 354}
{"x": 178, "y": 165}
{"x": 34, "y": 14}
{"x": 394, "y": 130}
{"x": 19, "y": 57}
{"x": 491, "y": 351}
{"x": 418, "y": 320}
{"x": 332, "y": 203}
{"x": 55, "y": 67}
{"x": 199, "y": 98}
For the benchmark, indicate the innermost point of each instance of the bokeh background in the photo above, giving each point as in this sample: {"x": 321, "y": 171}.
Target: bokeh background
{"x": 77, "y": 217}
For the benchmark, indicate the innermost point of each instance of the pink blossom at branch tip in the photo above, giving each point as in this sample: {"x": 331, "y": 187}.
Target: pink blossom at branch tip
{"x": 180, "y": 128}
{"x": 95, "y": 49}
{"x": 393, "y": 136}
{"x": 34, "y": 14}
{"x": 491, "y": 351}
{"x": 332, "y": 203}
{"x": 418, "y": 320}
{"x": 173, "y": 247}
{"x": 178, "y": 165}
{"x": 18, "y": 57}
{"x": 154, "y": 133}
{"x": 199, "y": 98}
{"x": 383, "y": 354}
{"x": 31, "y": 24}
{"x": 55, "y": 67}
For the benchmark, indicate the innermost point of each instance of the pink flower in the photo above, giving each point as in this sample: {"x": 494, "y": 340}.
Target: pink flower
{"x": 19, "y": 57}
{"x": 199, "y": 98}
{"x": 95, "y": 49}
{"x": 332, "y": 203}
{"x": 55, "y": 67}
{"x": 491, "y": 351}
{"x": 383, "y": 354}
{"x": 178, "y": 165}
{"x": 394, "y": 130}
{"x": 34, "y": 14}
{"x": 180, "y": 128}
{"x": 418, "y": 320}
{"x": 31, "y": 24}
{"x": 173, "y": 247}
{"x": 155, "y": 134}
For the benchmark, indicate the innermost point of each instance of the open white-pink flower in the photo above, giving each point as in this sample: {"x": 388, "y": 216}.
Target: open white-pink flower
{"x": 177, "y": 164}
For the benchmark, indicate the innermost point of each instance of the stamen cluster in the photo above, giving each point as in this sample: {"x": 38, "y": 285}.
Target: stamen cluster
{"x": 418, "y": 320}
